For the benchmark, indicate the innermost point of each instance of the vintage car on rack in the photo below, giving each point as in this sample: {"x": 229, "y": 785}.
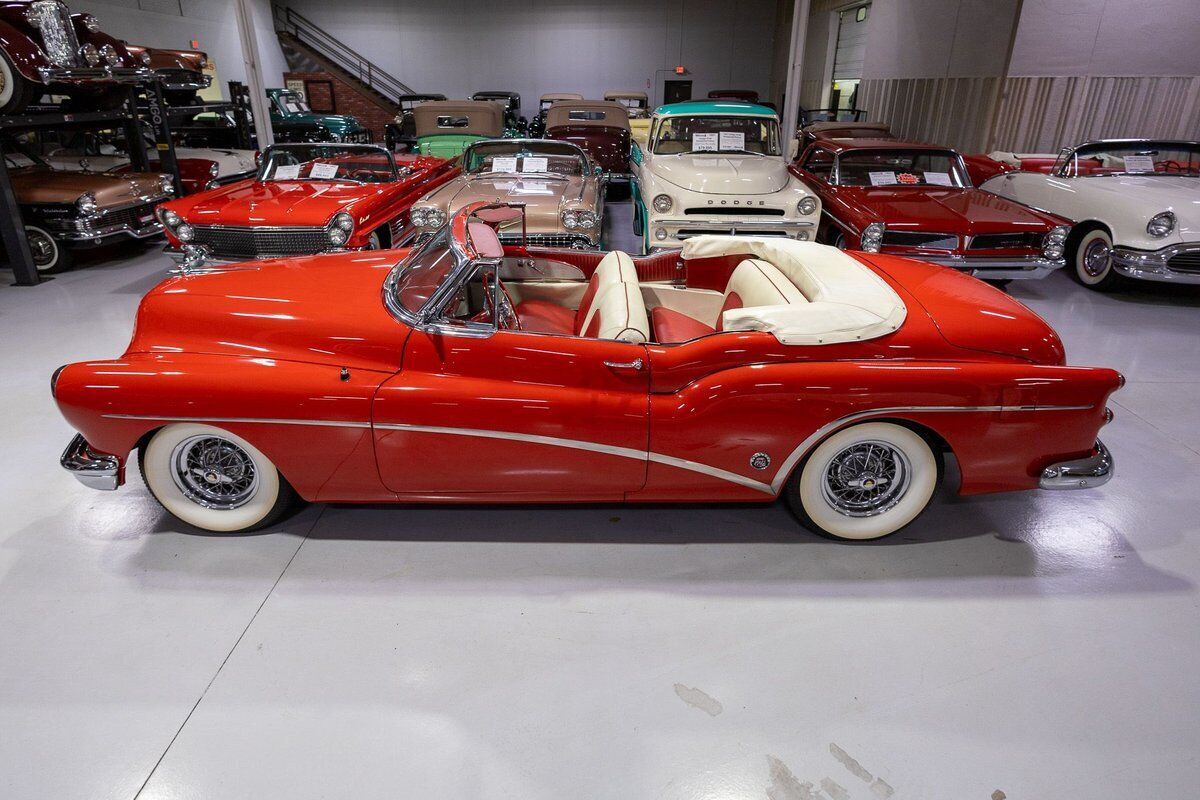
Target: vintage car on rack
{"x": 466, "y": 370}
{"x": 181, "y": 72}
{"x": 1134, "y": 203}
{"x": 913, "y": 199}
{"x": 65, "y": 211}
{"x": 305, "y": 198}
{"x": 537, "y": 127}
{"x": 45, "y": 49}
{"x": 445, "y": 128}
{"x": 515, "y": 126}
{"x": 293, "y": 121}
{"x": 717, "y": 168}
{"x": 559, "y": 185}
{"x": 601, "y": 128}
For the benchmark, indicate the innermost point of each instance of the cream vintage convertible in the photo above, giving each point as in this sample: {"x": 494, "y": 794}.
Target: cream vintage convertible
{"x": 1134, "y": 202}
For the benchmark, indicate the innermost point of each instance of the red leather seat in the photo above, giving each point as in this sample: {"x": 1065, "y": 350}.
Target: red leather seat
{"x": 674, "y": 326}
{"x": 542, "y": 316}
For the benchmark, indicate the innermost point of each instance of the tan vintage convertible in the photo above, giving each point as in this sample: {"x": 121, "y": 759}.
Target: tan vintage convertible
{"x": 560, "y": 187}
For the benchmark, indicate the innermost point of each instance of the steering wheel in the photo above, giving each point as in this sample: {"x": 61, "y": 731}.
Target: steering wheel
{"x": 506, "y": 315}
{"x": 364, "y": 175}
{"x": 1169, "y": 166}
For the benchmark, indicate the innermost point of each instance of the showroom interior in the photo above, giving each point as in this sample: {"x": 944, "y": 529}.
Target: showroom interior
{"x": 664, "y": 492}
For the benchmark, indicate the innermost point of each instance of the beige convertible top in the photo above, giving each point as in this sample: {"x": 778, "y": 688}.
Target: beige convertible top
{"x": 626, "y": 96}
{"x": 470, "y": 117}
{"x": 554, "y": 97}
{"x": 598, "y": 113}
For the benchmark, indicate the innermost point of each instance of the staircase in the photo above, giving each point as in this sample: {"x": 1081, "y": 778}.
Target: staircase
{"x": 309, "y": 48}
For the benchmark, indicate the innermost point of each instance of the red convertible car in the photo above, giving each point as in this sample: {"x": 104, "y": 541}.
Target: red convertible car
{"x": 463, "y": 370}
{"x": 305, "y": 199}
{"x": 917, "y": 200}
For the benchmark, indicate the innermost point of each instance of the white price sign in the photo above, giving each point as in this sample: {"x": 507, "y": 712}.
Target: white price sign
{"x": 732, "y": 140}
{"x": 882, "y": 178}
{"x": 287, "y": 172}
{"x": 324, "y": 171}
{"x": 504, "y": 164}
{"x": 1139, "y": 163}
{"x": 704, "y": 142}
{"x": 938, "y": 178}
{"x": 533, "y": 164}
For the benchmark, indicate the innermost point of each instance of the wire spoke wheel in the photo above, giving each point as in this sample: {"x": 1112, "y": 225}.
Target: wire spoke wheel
{"x": 214, "y": 472}
{"x": 866, "y": 479}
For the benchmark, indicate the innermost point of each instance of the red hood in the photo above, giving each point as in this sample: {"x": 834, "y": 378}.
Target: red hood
{"x": 253, "y": 202}
{"x": 317, "y": 309}
{"x": 968, "y": 313}
{"x": 961, "y": 211}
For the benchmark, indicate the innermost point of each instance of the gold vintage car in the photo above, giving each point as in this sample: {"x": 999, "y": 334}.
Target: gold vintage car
{"x": 560, "y": 187}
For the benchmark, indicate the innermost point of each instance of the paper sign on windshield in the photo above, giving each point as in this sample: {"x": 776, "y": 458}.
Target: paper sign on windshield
{"x": 504, "y": 164}
{"x": 938, "y": 178}
{"x": 705, "y": 142}
{"x": 882, "y": 178}
{"x": 324, "y": 171}
{"x": 732, "y": 140}
{"x": 287, "y": 172}
{"x": 533, "y": 164}
{"x": 1139, "y": 163}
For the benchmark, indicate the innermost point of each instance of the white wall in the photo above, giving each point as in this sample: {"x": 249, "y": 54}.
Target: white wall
{"x": 458, "y": 47}
{"x": 158, "y": 23}
{"x": 938, "y": 38}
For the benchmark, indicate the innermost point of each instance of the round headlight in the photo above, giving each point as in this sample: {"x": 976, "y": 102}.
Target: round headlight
{"x": 145, "y": 57}
{"x": 91, "y": 23}
{"x": 344, "y": 221}
{"x": 337, "y": 236}
{"x": 184, "y": 233}
{"x": 435, "y": 217}
{"x": 166, "y": 183}
{"x": 872, "y": 237}
{"x": 807, "y": 206}
{"x": 570, "y": 219}
{"x": 90, "y": 54}
{"x": 170, "y": 218}
{"x": 203, "y": 62}
{"x": 660, "y": 233}
{"x": 1058, "y": 234}
{"x": 1161, "y": 224}
{"x": 662, "y": 203}
{"x": 110, "y": 55}
{"x": 86, "y": 203}
{"x": 587, "y": 219}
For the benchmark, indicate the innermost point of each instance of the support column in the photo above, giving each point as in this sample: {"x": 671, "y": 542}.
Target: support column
{"x": 791, "y": 106}
{"x": 254, "y": 80}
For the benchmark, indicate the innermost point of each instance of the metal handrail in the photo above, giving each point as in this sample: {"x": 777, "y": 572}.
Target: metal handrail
{"x": 333, "y": 49}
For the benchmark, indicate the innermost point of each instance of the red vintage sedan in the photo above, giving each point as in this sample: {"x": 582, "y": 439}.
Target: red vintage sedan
{"x": 305, "y": 199}
{"x": 912, "y": 199}
{"x": 463, "y": 370}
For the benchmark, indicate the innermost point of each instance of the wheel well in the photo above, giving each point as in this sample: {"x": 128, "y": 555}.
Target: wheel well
{"x": 936, "y": 442}
{"x": 385, "y": 236}
{"x": 1083, "y": 228}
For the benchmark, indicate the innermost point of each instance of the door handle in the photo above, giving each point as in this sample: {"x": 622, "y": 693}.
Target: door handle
{"x": 635, "y": 364}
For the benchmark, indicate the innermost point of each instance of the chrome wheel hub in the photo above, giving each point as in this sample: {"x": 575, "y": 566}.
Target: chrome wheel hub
{"x": 1096, "y": 258}
{"x": 213, "y": 472}
{"x": 866, "y": 479}
{"x": 41, "y": 248}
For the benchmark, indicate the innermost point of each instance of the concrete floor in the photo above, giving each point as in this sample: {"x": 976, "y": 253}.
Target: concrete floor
{"x": 1024, "y": 646}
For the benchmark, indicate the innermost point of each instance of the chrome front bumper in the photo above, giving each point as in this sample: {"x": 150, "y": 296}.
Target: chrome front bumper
{"x": 94, "y": 470}
{"x": 996, "y": 269}
{"x": 1151, "y": 265}
{"x": 73, "y": 74}
{"x": 1084, "y": 473}
{"x": 98, "y": 235}
{"x": 677, "y": 231}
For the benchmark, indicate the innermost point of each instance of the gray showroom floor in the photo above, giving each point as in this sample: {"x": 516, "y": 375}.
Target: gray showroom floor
{"x": 1020, "y": 646}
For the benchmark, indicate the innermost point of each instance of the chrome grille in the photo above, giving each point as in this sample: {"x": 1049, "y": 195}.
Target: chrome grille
{"x": 741, "y": 211}
{"x": 245, "y": 242}
{"x": 1005, "y": 241}
{"x": 53, "y": 21}
{"x": 548, "y": 240}
{"x": 932, "y": 241}
{"x": 685, "y": 233}
{"x": 135, "y": 217}
{"x": 1186, "y": 261}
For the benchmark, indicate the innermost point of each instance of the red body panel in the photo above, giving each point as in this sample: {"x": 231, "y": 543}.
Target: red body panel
{"x": 313, "y": 203}
{"x": 22, "y": 45}
{"x": 354, "y": 406}
{"x": 607, "y": 147}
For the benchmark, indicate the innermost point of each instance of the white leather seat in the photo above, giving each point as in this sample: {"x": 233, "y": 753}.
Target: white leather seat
{"x": 542, "y": 316}
{"x": 619, "y": 313}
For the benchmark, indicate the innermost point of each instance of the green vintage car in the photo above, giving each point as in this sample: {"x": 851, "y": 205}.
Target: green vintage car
{"x": 290, "y": 112}
{"x": 445, "y": 128}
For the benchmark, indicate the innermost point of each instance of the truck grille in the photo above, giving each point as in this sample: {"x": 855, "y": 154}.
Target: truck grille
{"x": 1186, "y": 261}
{"x": 741, "y": 211}
{"x": 932, "y": 241}
{"x": 244, "y": 242}
{"x": 1006, "y": 241}
{"x": 53, "y": 21}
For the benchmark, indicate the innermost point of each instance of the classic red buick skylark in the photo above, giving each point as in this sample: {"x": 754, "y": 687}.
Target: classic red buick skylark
{"x": 462, "y": 370}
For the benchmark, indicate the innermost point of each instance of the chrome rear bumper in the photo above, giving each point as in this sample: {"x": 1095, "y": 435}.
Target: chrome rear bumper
{"x": 1084, "y": 473}
{"x": 94, "y": 470}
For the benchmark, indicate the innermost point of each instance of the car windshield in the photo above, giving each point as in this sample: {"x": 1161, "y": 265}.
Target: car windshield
{"x": 630, "y": 102}
{"x": 899, "y": 168}
{"x": 713, "y": 133}
{"x": 423, "y": 272}
{"x": 327, "y": 162}
{"x": 524, "y": 158}
{"x": 1132, "y": 158}
{"x": 293, "y": 104}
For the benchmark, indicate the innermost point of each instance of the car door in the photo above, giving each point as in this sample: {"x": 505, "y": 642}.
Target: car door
{"x": 514, "y": 415}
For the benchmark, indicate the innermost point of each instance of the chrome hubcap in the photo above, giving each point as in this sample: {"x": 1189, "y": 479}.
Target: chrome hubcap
{"x": 866, "y": 479}
{"x": 41, "y": 248}
{"x": 213, "y": 472}
{"x": 1096, "y": 257}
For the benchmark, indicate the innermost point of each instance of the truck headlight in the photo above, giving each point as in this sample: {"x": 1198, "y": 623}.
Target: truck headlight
{"x": 86, "y": 204}
{"x": 663, "y": 203}
{"x": 1161, "y": 224}
{"x": 807, "y": 206}
{"x": 1055, "y": 241}
{"x": 872, "y": 237}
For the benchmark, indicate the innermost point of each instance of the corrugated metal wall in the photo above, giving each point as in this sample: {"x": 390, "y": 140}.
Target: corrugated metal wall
{"x": 950, "y": 111}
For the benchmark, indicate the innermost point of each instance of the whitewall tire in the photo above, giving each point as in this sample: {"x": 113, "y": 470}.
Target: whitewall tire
{"x": 1091, "y": 261}
{"x": 865, "y": 482}
{"x": 213, "y": 479}
{"x": 50, "y": 257}
{"x": 15, "y": 91}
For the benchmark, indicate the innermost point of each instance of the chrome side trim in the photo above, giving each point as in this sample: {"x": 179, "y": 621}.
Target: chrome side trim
{"x": 1084, "y": 473}
{"x": 319, "y": 423}
{"x": 94, "y": 470}
{"x": 1152, "y": 265}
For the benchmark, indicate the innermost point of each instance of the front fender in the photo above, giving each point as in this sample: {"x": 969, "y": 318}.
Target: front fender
{"x": 24, "y": 53}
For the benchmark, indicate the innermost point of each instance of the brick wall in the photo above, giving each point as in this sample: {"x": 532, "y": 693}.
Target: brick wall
{"x": 346, "y": 99}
